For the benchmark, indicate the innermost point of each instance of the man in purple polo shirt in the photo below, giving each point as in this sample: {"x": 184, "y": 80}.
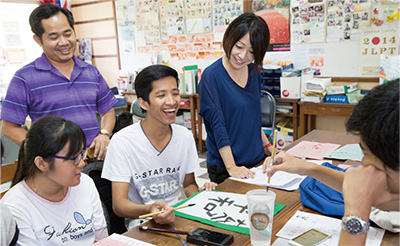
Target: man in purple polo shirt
{"x": 57, "y": 83}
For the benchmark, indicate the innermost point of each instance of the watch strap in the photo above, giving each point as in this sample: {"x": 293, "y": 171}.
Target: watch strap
{"x": 354, "y": 225}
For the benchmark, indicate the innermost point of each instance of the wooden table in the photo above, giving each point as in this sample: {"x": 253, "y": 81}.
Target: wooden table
{"x": 290, "y": 199}
{"x": 7, "y": 174}
{"x": 313, "y": 109}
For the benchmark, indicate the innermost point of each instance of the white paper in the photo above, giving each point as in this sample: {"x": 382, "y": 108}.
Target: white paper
{"x": 117, "y": 239}
{"x": 280, "y": 180}
{"x": 302, "y": 222}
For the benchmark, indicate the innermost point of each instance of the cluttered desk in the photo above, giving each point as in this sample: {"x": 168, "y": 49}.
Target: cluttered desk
{"x": 290, "y": 209}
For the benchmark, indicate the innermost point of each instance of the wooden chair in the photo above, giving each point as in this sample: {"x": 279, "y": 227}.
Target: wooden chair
{"x": 7, "y": 174}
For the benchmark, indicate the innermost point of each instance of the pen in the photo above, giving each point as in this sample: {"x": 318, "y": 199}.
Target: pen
{"x": 180, "y": 238}
{"x": 163, "y": 211}
{"x": 272, "y": 158}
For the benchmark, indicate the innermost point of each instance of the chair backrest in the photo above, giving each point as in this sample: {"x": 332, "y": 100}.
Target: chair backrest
{"x": 7, "y": 175}
{"x": 115, "y": 223}
{"x": 268, "y": 110}
{"x": 137, "y": 112}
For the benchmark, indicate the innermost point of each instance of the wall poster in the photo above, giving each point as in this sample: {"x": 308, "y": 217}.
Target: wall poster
{"x": 225, "y": 12}
{"x": 346, "y": 18}
{"x": 276, "y": 14}
{"x": 308, "y": 21}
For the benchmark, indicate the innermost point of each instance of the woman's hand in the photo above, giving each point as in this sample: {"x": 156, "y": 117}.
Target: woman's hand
{"x": 166, "y": 217}
{"x": 240, "y": 172}
{"x": 209, "y": 186}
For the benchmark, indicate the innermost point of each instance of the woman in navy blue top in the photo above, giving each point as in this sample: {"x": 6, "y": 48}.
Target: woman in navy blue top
{"x": 230, "y": 101}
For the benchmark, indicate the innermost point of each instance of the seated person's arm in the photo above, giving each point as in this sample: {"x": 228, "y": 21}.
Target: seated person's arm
{"x": 189, "y": 185}
{"x": 290, "y": 164}
{"x": 13, "y": 131}
{"x": 123, "y": 207}
{"x": 230, "y": 165}
{"x": 370, "y": 190}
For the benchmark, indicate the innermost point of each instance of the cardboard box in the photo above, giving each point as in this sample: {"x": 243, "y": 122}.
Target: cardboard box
{"x": 336, "y": 99}
{"x": 285, "y": 133}
{"x": 341, "y": 89}
{"x": 290, "y": 87}
{"x": 355, "y": 96}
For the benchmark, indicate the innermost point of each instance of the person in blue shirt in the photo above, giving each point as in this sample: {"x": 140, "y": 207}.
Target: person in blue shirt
{"x": 229, "y": 93}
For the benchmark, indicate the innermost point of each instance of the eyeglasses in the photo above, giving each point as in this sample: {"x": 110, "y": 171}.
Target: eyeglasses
{"x": 76, "y": 159}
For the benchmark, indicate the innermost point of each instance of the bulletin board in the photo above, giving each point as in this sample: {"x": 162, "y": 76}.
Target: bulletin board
{"x": 336, "y": 37}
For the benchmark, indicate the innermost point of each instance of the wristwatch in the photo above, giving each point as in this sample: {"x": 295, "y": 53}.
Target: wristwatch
{"x": 104, "y": 132}
{"x": 354, "y": 225}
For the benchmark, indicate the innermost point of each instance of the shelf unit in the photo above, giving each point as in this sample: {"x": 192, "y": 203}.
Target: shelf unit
{"x": 294, "y": 115}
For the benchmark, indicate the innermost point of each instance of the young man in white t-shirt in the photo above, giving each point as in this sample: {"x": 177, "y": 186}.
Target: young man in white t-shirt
{"x": 148, "y": 162}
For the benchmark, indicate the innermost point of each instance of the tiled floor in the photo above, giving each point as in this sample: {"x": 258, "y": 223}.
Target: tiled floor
{"x": 201, "y": 175}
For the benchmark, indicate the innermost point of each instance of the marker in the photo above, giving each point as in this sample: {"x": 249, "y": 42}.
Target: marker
{"x": 163, "y": 211}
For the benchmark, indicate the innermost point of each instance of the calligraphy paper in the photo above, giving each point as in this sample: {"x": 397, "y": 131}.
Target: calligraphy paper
{"x": 313, "y": 150}
{"x": 280, "y": 180}
{"x": 220, "y": 209}
{"x": 347, "y": 152}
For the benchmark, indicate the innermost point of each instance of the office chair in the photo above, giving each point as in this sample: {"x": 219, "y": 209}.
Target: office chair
{"x": 268, "y": 110}
{"x": 137, "y": 113}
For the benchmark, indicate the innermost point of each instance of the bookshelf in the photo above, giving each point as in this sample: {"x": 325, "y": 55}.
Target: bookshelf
{"x": 294, "y": 115}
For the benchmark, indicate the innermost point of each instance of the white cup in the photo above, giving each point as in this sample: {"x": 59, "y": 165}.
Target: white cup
{"x": 261, "y": 212}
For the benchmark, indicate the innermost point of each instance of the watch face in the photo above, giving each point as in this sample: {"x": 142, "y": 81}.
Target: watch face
{"x": 354, "y": 226}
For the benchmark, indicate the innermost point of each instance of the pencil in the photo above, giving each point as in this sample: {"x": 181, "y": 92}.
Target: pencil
{"x": 163, "y": 211}
{"x": 272, "y": 158}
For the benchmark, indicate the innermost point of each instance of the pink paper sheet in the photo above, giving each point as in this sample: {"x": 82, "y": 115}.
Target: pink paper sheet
{"x": 312, "y": 150}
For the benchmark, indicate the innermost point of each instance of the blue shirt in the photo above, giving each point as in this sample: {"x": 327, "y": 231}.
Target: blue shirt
{"x": 232, "y": 115}
{"x": 39, "y": 89}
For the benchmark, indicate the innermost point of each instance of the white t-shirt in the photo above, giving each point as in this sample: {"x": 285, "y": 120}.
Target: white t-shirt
{"x": 72, "y": 221}
{"x": 152, "y": 176}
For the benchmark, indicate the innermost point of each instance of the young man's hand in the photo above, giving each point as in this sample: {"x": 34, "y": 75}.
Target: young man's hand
{"x": 209, "y": 186}
{"x": 366, "y": 186}
{"x": 284, "y": 162}
{"x": 166, "y": 217}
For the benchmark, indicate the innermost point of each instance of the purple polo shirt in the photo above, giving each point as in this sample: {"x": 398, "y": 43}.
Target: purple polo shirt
{"x": 39, "y": 89}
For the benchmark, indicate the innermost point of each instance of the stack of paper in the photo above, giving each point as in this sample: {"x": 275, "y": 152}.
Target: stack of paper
{"x": 313, "y": 150}
{"x": 302, "y": 222}
{"x": 280, "y": 180}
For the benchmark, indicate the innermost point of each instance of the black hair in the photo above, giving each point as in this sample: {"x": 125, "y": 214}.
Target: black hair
{"x": 376, "y": 119}
{"x": 46, "y": 11}
{"x": 258, "y": 31}
{"x": 46, "y": 137}
{"x": 143, "y": 81}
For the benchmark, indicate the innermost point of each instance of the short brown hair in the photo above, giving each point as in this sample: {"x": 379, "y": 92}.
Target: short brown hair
{"x": 258, "y": 31}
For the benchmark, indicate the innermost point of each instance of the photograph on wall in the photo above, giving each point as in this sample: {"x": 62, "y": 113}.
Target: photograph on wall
{"x": 198, "y": 16}
{"x": 171, "y": 19}
{"x": 307, "y": 21}
{"x": 125, "y": 13}
{"x": 85, "y": 50}
{"x": 346, "y": 18}
{"x": 225, "y": 12}
{"x": 276, "y": 14}
{"x": 147, "y": 23}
